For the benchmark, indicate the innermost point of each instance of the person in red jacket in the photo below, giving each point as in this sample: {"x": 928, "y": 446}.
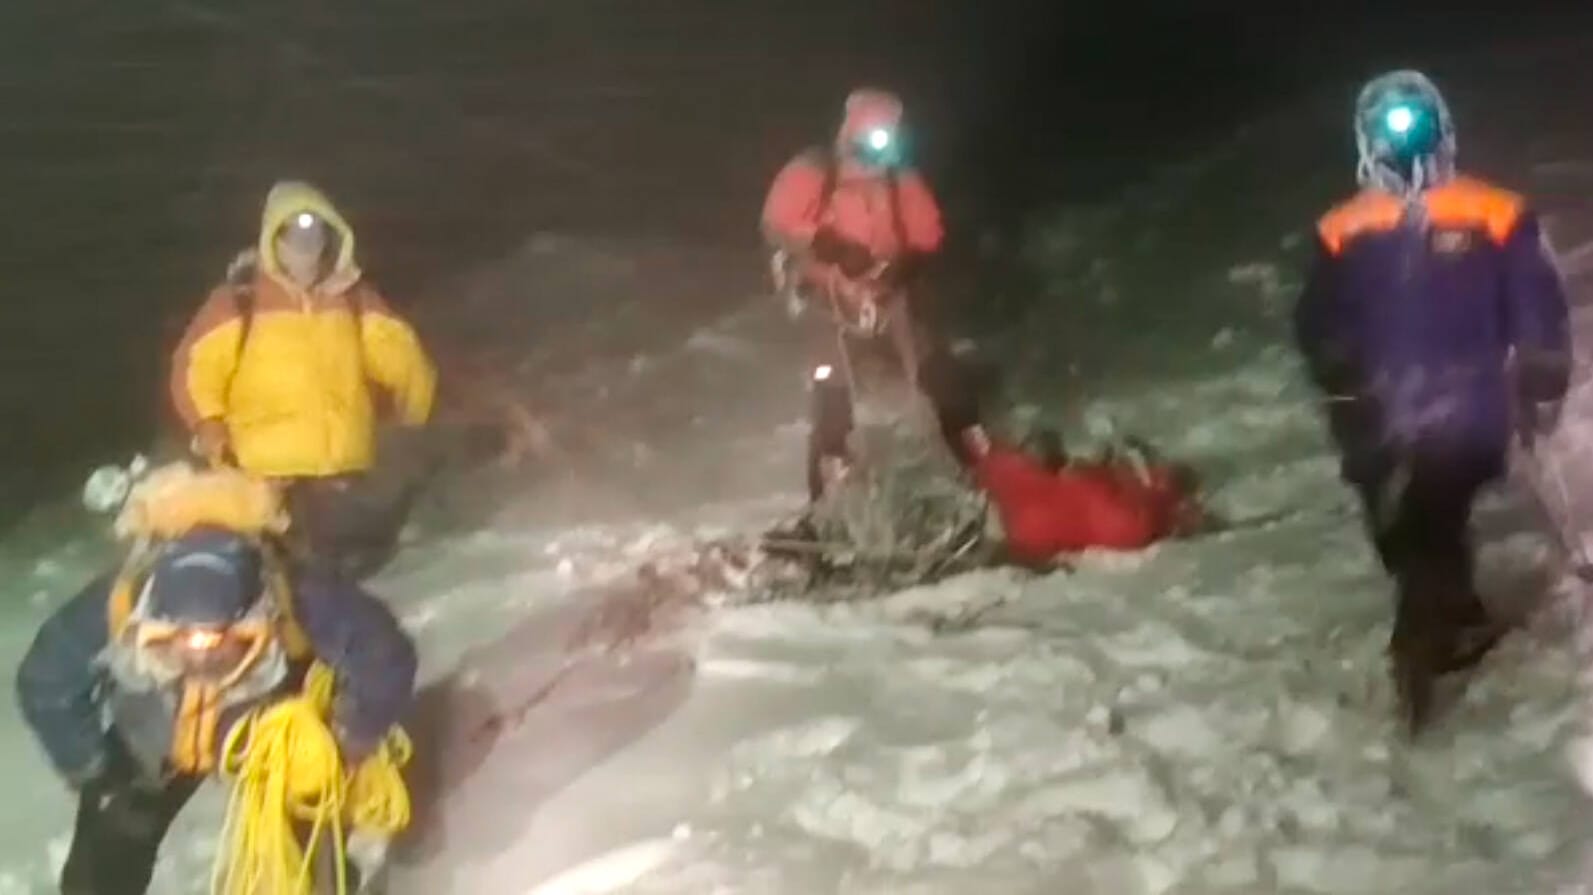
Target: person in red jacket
{"x": 849, "y": 227}
{"x": 1050, "y": 504}
{"x": 1051, "y": 508}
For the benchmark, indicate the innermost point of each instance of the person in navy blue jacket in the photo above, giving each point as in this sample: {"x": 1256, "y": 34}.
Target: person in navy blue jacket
{"x": 132, "y": 686}
{"x": 1434, "y": 321}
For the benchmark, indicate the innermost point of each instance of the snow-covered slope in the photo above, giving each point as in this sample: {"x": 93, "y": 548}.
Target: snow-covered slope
{"x": 1208, "y": 717}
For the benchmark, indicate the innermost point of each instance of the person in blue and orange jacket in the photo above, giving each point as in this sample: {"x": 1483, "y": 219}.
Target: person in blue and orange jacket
{"x": 1434, "y": 322}
{"x": 274, "y": 375}
{"x": 850, "y": 227}
{"x": 134, "y": 686}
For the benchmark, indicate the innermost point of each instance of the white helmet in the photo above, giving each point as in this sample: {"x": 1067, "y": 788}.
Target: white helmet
{"x": 1404, "y": 133}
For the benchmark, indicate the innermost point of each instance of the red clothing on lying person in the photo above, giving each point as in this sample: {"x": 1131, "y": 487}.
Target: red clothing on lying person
{"x": 1075, "y": 508}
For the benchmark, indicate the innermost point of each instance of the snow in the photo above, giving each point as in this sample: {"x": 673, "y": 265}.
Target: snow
{"x": 1204, "y": 718}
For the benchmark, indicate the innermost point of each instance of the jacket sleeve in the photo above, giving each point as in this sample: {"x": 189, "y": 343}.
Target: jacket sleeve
{"x": 1537, "y": 320}
{"x": 205, "y": 360}
{"x": 58, "y": 684}
{"x": 356, "y": 635}
{"x": 1319, "y": 329}
{"x": 791, "y": 210}
{"x": 395, "y": 359}
{"x": 921, "y": 218}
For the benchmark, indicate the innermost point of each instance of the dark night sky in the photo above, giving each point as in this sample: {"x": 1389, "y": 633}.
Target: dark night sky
{"x": 139, "y": 137}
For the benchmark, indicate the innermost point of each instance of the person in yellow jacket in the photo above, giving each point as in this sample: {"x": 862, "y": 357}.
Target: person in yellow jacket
{"x": 275, "y": 374}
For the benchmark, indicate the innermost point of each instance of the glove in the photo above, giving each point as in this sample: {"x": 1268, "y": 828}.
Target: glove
{"x": 211, "y": 441}
{"x": 950, "y": 387}
{"x": 1538, "y": 420}
{"x": 902, "y": 271}
{"x": 853, "y": 260}
{"x": 355, "y": 750}
{"x": 87, "y": 777}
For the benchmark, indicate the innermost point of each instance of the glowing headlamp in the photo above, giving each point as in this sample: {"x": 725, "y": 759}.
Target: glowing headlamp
{"x": 305, "y": 221}
{"x": 202, "y": 640}
{"x": 878, "y": 139}
{"x": 1400, "y": 120}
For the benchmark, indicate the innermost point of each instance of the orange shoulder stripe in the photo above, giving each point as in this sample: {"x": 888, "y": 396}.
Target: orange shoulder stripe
{"x": 1369, "y": 212}
{"x": 1470, "y": 203}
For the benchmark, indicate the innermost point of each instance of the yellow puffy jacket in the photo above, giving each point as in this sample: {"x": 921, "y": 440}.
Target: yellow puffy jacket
{"x": 295, "y": 394}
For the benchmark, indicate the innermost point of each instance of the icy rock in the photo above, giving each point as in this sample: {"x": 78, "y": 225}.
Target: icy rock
{"x": 1580, "y": 753}
{"x": 1127, "y": 797}
{"x": 1239, "y": 872}
{"x": 1303, "y": 728}
{"x": 1536, "y": 845}
{"x": 1232, "y": 822}
{"x": 1346, "y": 870}
{"x": 1105, "y": 719}
{"x": 1150, "y": 682}
{"x": 1312, "y": 809}
{"x": 1181, "y": 730}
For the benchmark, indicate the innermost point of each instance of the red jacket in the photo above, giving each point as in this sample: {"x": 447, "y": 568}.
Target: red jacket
{"x": 890, "y": 215}
{"x": 1049, "y": 512}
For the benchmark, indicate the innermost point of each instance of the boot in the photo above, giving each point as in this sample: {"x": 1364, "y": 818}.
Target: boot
{"x": 1469, "y": 637}
{"x": 1414, "y": 677}
{"x": 831, "y": 421}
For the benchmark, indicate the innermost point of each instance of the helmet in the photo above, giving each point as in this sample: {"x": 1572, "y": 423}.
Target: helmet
{"x": 201, "y": 613}
{"x": 207, "y": 577}
{"x": 1404, "y": 133}
{"x": 871, "y": 131}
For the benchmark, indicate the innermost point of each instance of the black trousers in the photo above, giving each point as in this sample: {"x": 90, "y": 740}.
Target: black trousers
{"x": 121, "y": 822}
{"x": 349, "y": 526}
{"x": 924, "y": 359}
{"x": 1418, "y": 510}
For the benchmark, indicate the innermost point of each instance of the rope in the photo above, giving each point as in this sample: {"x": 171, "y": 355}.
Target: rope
{"x": 287, "y": 773}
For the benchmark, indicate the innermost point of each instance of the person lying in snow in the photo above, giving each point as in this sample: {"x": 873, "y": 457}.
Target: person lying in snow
{"x": 1049, "y": 503}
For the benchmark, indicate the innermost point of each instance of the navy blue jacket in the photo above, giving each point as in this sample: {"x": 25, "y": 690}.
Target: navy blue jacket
{"x": 1427, "y": 324}
{"x": 63, "y": 688}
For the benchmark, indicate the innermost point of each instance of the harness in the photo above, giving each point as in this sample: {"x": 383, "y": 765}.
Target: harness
{"x": 855, "y": 310}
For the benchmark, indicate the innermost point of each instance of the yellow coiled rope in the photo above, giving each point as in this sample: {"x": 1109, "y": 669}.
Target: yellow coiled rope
{"x": 288, "y": 776}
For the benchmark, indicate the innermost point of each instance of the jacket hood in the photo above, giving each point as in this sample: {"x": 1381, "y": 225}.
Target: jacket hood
{"x": 290, "y": 198}
{"x": 1380, "y": 166}
{"x": 868, "y": 108}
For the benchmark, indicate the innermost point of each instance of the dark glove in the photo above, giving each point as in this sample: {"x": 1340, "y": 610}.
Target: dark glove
{"x": 1542, "y": 376}
{"x": 951, "y": 389}
{"x": 91, "y": 774}
{"x": 854, "y": 260}
{"x": 1537, "y": 420}
{"x": 355, "y": 749}
{"x": 903, "y": 271}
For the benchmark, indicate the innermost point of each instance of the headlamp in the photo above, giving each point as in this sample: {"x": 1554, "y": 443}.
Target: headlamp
{"x": 880, "y": 146}
{"x": 1400, "y": 120}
